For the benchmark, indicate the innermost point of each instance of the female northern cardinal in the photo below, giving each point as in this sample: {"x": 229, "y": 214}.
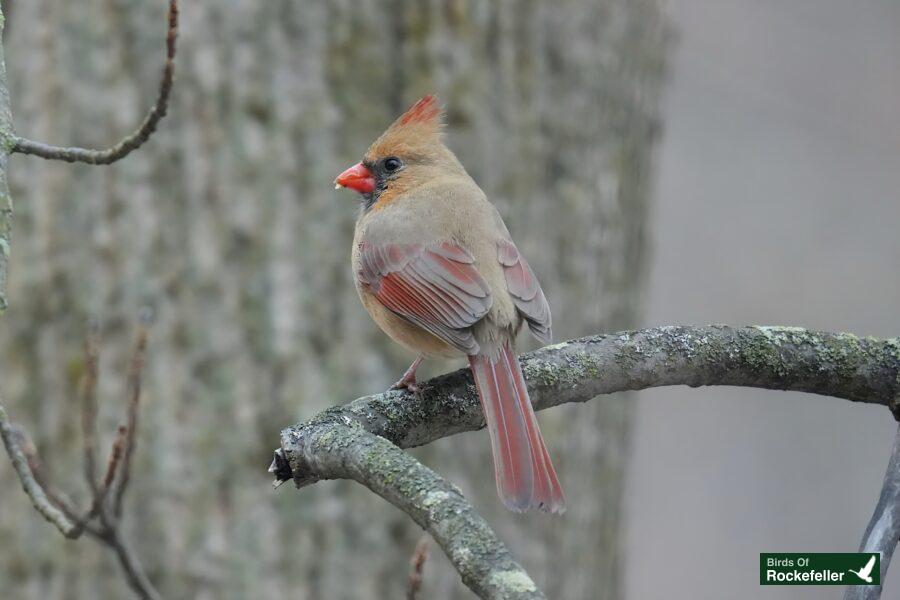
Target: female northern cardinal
{"x": 437, "y": 270}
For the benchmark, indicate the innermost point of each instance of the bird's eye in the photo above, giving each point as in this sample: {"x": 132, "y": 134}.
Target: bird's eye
{"x": 392, "y": 163}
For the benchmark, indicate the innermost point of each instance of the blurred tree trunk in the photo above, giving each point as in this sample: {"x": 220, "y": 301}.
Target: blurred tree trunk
{"x": 226, "y": 226}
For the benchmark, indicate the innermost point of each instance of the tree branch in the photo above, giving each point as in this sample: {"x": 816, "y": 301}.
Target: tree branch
{"x": 883, "y": 531}
{"x": 6, "y": 142}
{"x": 347, "y": 451}
{"x": 417, "y": 569}
{"x": 129, "y": 143}
{"x": 778, "y": 358}
{"x": 135, "y": 368}
{"x": 89, "y": 409}
{"x": 360, "y": 440}
{"x": 35, "y": 491}
{"x": 134, "y": 573}
{"x": 102, "y": 520}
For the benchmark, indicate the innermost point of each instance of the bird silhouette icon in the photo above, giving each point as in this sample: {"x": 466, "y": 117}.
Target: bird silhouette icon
{"x": 866, "y": 572}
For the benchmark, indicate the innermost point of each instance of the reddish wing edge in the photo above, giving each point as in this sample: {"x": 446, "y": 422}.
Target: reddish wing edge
{"x": 526, "y": 291}
{"x": 435, "y": 287}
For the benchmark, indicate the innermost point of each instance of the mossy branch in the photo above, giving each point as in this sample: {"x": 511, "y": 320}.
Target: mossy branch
{"x": 841, "y": 365}
{"x": 362, "y": 440}
{"x": 6, "y": 206}
{"x": 347, "y": 451}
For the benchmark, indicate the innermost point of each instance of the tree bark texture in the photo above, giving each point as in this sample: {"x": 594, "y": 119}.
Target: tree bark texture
{"x": 6, "y": 207}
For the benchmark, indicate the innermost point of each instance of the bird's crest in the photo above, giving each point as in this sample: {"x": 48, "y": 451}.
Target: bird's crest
{"x": 414, "y": 131}
{"x": 426, "y": 111}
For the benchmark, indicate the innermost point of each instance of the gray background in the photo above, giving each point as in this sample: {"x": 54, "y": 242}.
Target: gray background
{"x": 777, "y": 203}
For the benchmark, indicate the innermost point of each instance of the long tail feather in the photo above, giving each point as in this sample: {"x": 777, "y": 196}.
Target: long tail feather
{"x": 525, "y": 476}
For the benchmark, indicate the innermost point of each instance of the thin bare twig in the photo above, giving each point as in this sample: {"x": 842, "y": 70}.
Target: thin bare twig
{"x": 129, "y": 143}
{"x": 57, "y": 498}
{"x": 89, "y": 409}
{"x": 135, "y": 369}
{"x": 134, "y": 572}
{"x": 115, "y": 457}
{"x": 11, "y": 439}
{"x": 99, "y": 520}
{"x": 417, "y": 568}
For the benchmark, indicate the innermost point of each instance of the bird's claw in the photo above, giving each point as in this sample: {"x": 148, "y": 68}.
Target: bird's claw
{"x": 408, "y": 381}
{"x": 410, "y": 386}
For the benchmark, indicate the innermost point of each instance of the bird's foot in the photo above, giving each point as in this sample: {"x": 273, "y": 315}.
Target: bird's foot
{"x": 410, "y": 386}
{"x": 408, "y": 381}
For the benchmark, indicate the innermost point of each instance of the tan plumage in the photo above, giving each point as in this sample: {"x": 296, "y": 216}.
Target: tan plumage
{"x": 438, "y": 272}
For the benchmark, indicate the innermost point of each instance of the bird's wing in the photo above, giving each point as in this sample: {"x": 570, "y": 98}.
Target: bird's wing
{"x": 868, "y": 568}
{"x": 435, "y": 287}
{"x": 525, "y": 290}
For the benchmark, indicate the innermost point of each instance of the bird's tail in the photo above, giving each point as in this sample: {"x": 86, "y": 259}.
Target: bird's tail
{"x": 525, "y": 476}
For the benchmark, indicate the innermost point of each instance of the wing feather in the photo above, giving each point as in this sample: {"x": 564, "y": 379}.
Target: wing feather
{"x": 526, "y": 291}
{"x": 435, "y": 287}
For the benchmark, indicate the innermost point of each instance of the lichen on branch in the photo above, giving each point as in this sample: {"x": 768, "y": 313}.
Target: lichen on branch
{"x": 6, "y": 207}
{"x": 347, "y": 451}
{"x": 841, "y": 365}
{"x": 362, "y": 440}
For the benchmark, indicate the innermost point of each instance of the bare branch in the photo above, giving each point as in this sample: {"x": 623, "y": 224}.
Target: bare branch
{"x": 57, "y": 498}
{"x": 131, "y": 142}
{"x": 134, "y": 389}
{"x": 99, "y": 520}
{"x": 12, "y": 441}
{"x": 417, "y": 568}
{"x": 89, "y": 409}
{"x": 355, "y": 441}
{"x": 347, "y": 451}
{"x": 115, "y": 455}
{"x": 134, "y": 572}
{"x": 100, "y": 494}
{"x": 883, "y": 531}
{"x": 6, "y": 204}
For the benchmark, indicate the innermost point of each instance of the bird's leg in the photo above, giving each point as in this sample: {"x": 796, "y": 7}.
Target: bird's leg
{"x": 408, "y": 381}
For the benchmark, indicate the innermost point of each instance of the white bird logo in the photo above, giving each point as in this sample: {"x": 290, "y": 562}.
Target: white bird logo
{"x": 866, "y": 572}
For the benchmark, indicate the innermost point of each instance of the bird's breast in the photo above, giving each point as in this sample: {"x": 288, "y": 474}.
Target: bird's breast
{"x": 412, "y": 337}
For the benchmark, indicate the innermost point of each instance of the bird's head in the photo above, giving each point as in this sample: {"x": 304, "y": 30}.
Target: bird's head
{"x": 411, "y": 152}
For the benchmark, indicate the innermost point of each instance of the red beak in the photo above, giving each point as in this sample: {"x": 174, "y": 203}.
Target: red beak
{"x": 358, "y": 178}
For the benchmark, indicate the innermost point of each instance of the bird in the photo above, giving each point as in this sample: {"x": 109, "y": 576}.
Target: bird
{"x": 866, "y": 572}
{"x": 435, "y": 267}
